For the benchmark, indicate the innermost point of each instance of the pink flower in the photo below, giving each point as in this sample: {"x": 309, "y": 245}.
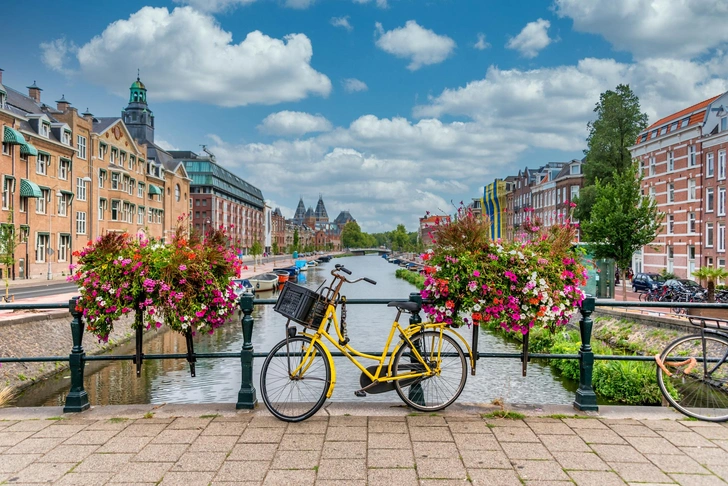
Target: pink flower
{"x": 476, "y": 273}
{"x": 182, "y": 268}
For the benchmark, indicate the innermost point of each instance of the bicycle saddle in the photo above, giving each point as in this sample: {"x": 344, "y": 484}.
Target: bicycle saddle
{"x": 413, "y": 307}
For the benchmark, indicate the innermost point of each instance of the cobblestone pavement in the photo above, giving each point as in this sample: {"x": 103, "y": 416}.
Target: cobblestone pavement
{"x": 405, "y": 449}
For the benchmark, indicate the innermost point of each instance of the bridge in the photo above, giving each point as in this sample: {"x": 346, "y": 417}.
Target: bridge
{"x": 363, "y": 251}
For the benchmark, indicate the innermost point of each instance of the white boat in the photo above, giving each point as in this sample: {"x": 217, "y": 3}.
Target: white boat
{"x": 264, "y": 281}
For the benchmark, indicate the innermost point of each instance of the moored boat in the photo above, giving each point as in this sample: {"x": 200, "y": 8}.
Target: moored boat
{"x": 283, "y": 276}
{"x": 264, "y": 281}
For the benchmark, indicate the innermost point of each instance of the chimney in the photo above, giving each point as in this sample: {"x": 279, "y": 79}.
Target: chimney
{"x": 34, "y": 92}
{"x": 88, "y": 115}
{"x": 1, "y": 76}
{"x": 62, "y": 104}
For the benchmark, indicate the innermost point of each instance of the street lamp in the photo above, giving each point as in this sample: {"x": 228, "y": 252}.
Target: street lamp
{"x": 203, "y": 226}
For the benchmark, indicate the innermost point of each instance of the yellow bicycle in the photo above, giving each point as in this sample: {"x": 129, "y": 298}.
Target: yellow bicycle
{"x": 427, "y": 367}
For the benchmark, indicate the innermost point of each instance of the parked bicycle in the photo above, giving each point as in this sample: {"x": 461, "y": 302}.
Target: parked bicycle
{"x": 427, "y": 367}
{"x": 692, "y": 371}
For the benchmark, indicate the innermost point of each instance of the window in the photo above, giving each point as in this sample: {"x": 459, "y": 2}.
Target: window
{"x": 673, "y": 127}
{"x": 62, "y": 204}
{"x": 709, "y": 165}
{"x": 692, "y": 192}
{"x": 663, "y": 130}
{"x": 159, "y": 216}
{"x": 671, "y": 192}
{"x": 140, "y": 215}
{"x": 125, "y": 184}
{"x": 81, "y": 146}
{"x": 103, "y": 149}
{"x": 40, "y": 202}
{"x": 721, "y": 164}
{"x": 64, "y": 245}
{"x": 42, "y": 241}
{"x": 721, "y": 237}
{"x": 653, "y": 134}
{"x": 114, "y": 180}
{"x": 6, "y": 148}
{"x": 132, "y": 163}
{"x": 122, "y": 159}
{"x": 45, "y": 129}
{"x": 23, "y": 204}
{"x": 41, "y": 163}
{"x": 721, "y": 201}
{"x": 653, "y": 193}
{"x": 177, "y": 194}
{"x": 574, "y": 192}
{"x": 66, "y": 137}
{"x": 150, "y": 217}
{"x": 80, "y": 189}
{"x": 197, "y": 202}
{"x": 7, "y": 192}
{"x": 670, "y": 257}
{"x": 102, "y": 177}
{"x": 670, "y": 161}
{"x": 709, "y": 235}
{"x": 709, "y": 200}
{"x": 102, "y": 207}
{"x": 140, "y": 190}
{"x": 724, "y": 124}
{"x": 115, "y": 210}
{"x": 204, "y": 202}
{"x": 64, "y": 168}
{"x": 670, "y": 224}
{"x": 691, "y": 156}
{"x": 684, "y": 122}
{"x": 80, "y": 222}
{"x": 652, "y": 166}
{"x": 114, "y": 155}
{"x": 691, "y": 222}
{"x": 24, "y": 233}
{"x": 132, "y": 183}
{"x": 721, "y": 262}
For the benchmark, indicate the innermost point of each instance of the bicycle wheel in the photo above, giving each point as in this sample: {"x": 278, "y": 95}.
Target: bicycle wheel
{"x": 430, "y": 393}
{"x": 295, "y": 398}
{"x": 700, "y": 391}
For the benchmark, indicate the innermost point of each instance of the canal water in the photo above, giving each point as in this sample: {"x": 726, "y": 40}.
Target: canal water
{"x": 218, "y": 380}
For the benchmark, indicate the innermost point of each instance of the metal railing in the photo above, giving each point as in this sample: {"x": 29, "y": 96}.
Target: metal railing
{"x": 77, "y": 398}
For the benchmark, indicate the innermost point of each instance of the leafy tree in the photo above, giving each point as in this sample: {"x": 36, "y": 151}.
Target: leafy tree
{"x": 400, "y": 239}
{"x": 351, "y": 235}
{"x": 275, "y": 248}
{"x": 711, "y": 275}
{"x": 622, "y": 219}
{"x": 295, "y": 240}
{"x": 8, "y": 243}
{"x": 256, "y": 250}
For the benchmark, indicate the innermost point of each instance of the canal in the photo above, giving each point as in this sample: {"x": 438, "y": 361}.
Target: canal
{"x": 218, "y": 380}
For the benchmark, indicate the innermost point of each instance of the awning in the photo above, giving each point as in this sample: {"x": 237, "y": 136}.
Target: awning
{"x": 29, "y": 189}
{"x": 154, "y": 189}
{"x": 12, "y": 136}
{"x": 28, "y": 149}
{"x": 67, "y": 193}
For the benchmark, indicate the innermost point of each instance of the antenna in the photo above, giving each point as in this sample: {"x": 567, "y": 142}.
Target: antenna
{"x": 207, "y": 151}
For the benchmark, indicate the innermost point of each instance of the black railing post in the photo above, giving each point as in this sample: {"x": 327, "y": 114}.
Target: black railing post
{"x": 586, "y": 399}
{"x": 246, "y": 395}
{"x": 415, "y": 392}
{"x": 77, "y": 398}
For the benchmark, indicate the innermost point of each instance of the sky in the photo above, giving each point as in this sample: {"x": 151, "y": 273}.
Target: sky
{"x": 386, "y": 108}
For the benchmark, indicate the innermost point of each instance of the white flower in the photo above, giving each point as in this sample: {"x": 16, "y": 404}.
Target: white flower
{"x": 476, "y": 307}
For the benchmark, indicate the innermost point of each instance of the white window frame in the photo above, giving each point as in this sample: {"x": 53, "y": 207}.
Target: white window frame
{"x": 709, "y": 234}
{"x": 670, "y": 192}
{"x": 692, "y": 190}
{"x": 721, "y": 201}
{"x": 670, "y": 161}
{"x": 45, "y": 129}
{"x": 140, "y": 189}
{"x": 670, "y": 224}
{"x": 80, "y": 189}
{"x": 103, "y": 206}
{"x": 64, "y": 247}
{"x": 652, "y": 193}
{"x": 81, "y": 146}
{"x": 41, "y": 203}
{"x": 8, "y": 191}
{"x": 652, "y": 165}
{"x": 721, "y": 165}
{"x": 80, "y": 222}
{"x": 691, "y": 223}
{"x": 42, "y": 242}
{"x": 140, "y": 214}
{"x": 115, "y": 217}
{"x": 709, "y": 164}
{"x": 41, "y": 164}
{"x": 115, "y": 180}
{"x": 62, "y": 204}
{"x": 692, "y": 156}
{"x": 709, "y": 199}
{"x": 721, "y": 237}
{"x": 64, "y": 168}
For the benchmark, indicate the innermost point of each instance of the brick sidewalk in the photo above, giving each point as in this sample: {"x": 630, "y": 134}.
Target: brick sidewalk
{"x": 95, "y": 448}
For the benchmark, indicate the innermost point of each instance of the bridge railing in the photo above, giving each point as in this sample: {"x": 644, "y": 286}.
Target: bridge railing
{"x": 77, "y": 398}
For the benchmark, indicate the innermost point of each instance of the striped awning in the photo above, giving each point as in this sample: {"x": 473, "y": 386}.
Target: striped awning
{"x": 28, "y": 149}
{"x": 154, "y": 189}
{"x": 12, "y": 136}
{"x": 29, "y": 189}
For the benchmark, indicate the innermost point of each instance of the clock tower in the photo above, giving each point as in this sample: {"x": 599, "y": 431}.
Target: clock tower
{"x": 137, "y": 116}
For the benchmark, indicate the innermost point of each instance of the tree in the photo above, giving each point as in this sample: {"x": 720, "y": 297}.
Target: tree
{"x": 351, "y": 235}
{"x": 295, "y": 240}
{"x": 274, "y": 248}
{"x": 622, "y": 220}
{"x": 256, "y": 250}
{"x": 400, "y": 239}
{"x": 8, "y": 243}
{"x": 711, "y": 275}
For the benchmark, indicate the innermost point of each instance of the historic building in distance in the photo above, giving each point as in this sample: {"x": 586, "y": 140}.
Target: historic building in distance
{"x": 314, "y": 227}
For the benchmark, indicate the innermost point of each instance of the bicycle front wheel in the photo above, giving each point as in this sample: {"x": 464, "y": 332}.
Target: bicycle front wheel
{"x": 293, "y": 384}
{"x": 698, "y": 386}
{"x": 445, "y": 357}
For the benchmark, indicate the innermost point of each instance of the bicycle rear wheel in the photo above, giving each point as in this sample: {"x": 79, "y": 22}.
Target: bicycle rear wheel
{"x": 295, "y": 397}
{"x": 430, "y": 393}
{"x": 701, "y": 390}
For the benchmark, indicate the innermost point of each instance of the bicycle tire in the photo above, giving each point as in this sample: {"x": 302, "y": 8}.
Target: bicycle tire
{"x": 290, "y": 399}
{"x": 703, "y": 392}
{"x": 429, "y": 394}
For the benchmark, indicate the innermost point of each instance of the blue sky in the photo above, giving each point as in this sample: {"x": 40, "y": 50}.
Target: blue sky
{"x": 389, "y": 108}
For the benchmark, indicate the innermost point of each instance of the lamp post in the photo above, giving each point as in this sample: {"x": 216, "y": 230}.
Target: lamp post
{"x": 207, "y": 221}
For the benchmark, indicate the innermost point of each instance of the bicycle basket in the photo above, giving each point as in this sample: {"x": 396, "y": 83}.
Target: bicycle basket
{"x": 301, "y": 305}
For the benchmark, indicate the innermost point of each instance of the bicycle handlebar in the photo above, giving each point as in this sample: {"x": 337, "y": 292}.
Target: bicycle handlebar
{"x": 342, "y": 268}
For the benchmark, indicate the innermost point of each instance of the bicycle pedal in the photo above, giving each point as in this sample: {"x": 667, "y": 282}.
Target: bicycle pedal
{"x": 360, "y": 393}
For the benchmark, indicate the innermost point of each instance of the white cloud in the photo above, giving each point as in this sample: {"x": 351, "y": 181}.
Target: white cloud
{"x": 532, "y": 39}
{"x": 421, "y": 46}
{"x": 379, "y": 3}
{"x": 213, "y": 69}
{"x": 342, "y": 22}
{"x": 352, "y": 85}
{"x": 293, "y": 123}
{"x": 660, "y": 28}
{"x": 214, "y": 6}
{"x": 55, "y": 54}
{"x": 165, "y": 144}
{"x": 299, "y": 4}
{"x": 481, "y": 45}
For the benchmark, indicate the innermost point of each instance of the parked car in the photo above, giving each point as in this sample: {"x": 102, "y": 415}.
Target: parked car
{"x": 683, "y": 282}
{"x": 647, "y": 281}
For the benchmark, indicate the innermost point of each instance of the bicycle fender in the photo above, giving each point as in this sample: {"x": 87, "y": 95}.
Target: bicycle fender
{"x": 434, "y": 327}
{"x": 330, "y": 358}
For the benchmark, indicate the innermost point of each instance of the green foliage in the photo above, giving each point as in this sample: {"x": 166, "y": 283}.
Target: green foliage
{"x": 352, "y": 236}
{"x": 274, "y": 248}
{"x": 256, "y": 249}
{"x": 629, "y": 382}
{"x": 400, "y": 239}
{"x": 9, "y": 241}
{"x": 295, "y": 240}
{"x": 505, "y": 414}
{"x": 667, "y": 275}
{"x": 412, "y": 277}
{"x": 711, "y": 274}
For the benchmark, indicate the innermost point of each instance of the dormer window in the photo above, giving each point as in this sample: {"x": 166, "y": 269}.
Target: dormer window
{"x": 2, "y": 99}
{"x": 724, "y": 124}
{"x": 575, "y": 169}
{"x": 45, "y": 129}
{"x": 66, "y": 137}
{"x": 684, "y": 122}
{"x": 663, "y": 130}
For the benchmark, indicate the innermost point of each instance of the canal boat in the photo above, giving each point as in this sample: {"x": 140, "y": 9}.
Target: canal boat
{"x": 292, "y": 271}
{"x": 324, "y": 258}
{"x": 302, "y": 265}
{"x": 264, "y": 281}
{"x": 283, "y": 276}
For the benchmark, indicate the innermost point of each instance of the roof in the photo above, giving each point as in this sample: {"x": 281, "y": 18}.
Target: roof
{"x": 682, "y": 113}
{"x": 434, "y": 219}
{"x": 103, "y": 122}
{"x": 343, "y": 218}
{"x": 138, "y": 85}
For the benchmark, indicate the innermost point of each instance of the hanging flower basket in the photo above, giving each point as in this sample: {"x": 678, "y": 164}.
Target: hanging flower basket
{"x": 532, "y": 281}
{"x": 184, "y": 284}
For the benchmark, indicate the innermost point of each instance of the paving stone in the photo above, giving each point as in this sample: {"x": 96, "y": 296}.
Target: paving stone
{"x": 104, "y": 463}
{"x": 29, "y": 426}
{"x": 35, "y": 446}
{"x": 710, "y": 455}
{"x": 433, "y": 434}
{"x": 253, "y": 452}
{"x": 388, "y": 477}
{"x": 161, "y": 452}
{"x": 143, "y": 430}
{"x": 336, "y": 482}
{"x": 12, "y": 438}
{"x": 476, "y": 442}
{"x": 243, "y": 416}
{"x": 510, "y": 423}
{"x": 346, "y": 433}
{"x": 7, "y": 423}
{"x": 91, "y": 437}
{"x": 189, "y": 423}
{"x": 676, "y": 463}
{"x": 257, "y": 435}
{"x": 595, "y": 478}
{"x": 571, "y": 443}
{"x": 514, "y": 434}
{"x": 290, "y": 478}
{"x": 295, "y": 460}
{"x": 64, "y": 431}
{"x": 298, "y": 442}
{"x": 697, "y": 480}
{"x": 387, "y": 427}
{"x": 540, "y": 470}
{"x": 42, "y": 473}
{"x": 426, "y": 421}
{"x": 235, "y": 470}
{"x": 622, "y": 453}
{"x": 347, "y": 421}
{"x": 65, "y": 453}
{"x": 588, "y": 461}
{"x": 440, "y": 468}
{"x": 308, "y": 427}
{"x": 435, "y": 450}
{"x": 344, "y": 450}
{"x": 720, "y": 470}
{"x": 586, "y": 423}
{"x": 187, "y": 478}
{"x": 666, "y": 425}
{"x": 599, "y": 436}
{"x": 142, "y": 472}
{"x": 485, "y": 460}
{"x": 517, "y": 450}
{"x": 342, "y": 469}
{"x": 125, "y": 445}
{"x": 633, "y": 431}
{"x": 225, "y": 428}
{"x": 389, "y": 441}
{"x": 390, "y": 458}
{"x": 712, "y": 432}
{"x": 558, "y": 483}
{"x": 387, "y": 419}
{"x": 109, "y": 425}
{"x": 12, "y": 463}
{"x": 651, "y": 445}
{"x": 469, "y": 427}
{"x": 268, "y": 422}
{"x": 640, "y": 472}
{"x": 154, "y": 420}
{"x": 494, "y": 477}
{"x": 214, "y": 443}
{"x": 688, "y": 439}
{"x": 551, "y": 428}
{"x": 184, "y": 436}
{"x": 84, "y": 479}
{"x": 199, "y": 461}
{"x": 609, "y": 422}
{"x": 722, "y": 443}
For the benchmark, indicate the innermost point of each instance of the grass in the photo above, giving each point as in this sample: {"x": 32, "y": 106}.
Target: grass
{"x": 118, "y": 420}
{"x": 564, "y": 416}
{"x": 57, "y": 418}
{"x": 212, "y": 415}
{"x": 149, "y": 415}
{"x": 505, "y": 414}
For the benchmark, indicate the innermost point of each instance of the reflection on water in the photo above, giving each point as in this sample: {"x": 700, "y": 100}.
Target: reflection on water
{"x": 218, "y": 380}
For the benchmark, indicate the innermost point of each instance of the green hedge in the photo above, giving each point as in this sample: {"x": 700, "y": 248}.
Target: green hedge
{"x": 412, "y": 277}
